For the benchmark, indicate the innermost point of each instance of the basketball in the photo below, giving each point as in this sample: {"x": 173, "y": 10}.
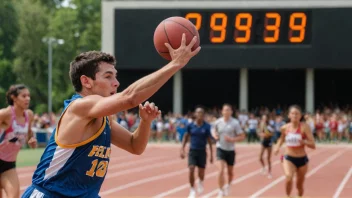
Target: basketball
{"x": 170, "y": 31}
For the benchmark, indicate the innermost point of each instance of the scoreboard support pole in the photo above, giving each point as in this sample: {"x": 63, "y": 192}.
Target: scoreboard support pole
{"x": 310, "y": 90}
{"x": 243, "y": 89}
{"x": 177, "y": 93}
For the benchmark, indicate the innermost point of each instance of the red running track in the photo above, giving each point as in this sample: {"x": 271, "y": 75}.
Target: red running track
{"x": 159, "y": 172}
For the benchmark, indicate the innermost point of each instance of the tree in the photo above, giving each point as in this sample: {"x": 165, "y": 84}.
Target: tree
{"x": 63, "y": 26}
{"x": 31, "y": 63}
{"x": 8, "y": 35}
{"x": 89, "y": 17}
{"x": 78, "y": 24}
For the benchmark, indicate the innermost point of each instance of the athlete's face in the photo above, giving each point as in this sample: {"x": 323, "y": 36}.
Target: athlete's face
{"x": 199, "y": 114}
{"x": 226, "y": 111}
{"x": 279, "y": 119}
{"x": 23, "y": 99}
{"x": 295, "y": 115}
{"x": 105, "y": 83}
{"x": 306, "y": 117}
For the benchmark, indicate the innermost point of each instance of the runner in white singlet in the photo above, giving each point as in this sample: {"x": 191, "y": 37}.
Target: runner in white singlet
{"x": 15, "y": 124}
{"x": 296, "y": 135}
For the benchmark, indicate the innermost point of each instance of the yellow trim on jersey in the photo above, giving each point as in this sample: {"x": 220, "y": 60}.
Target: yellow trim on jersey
{"x": 101, "y": 129}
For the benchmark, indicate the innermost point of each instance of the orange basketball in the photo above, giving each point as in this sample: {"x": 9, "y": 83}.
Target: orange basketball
{"x": 170, "y": 31}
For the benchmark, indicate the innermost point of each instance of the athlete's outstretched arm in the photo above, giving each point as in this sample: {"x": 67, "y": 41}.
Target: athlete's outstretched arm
{"x": 128, "y": 141}
{"x": 310, "y": 138}
{"x": 210, "y": 142}
{"x": 97, "y": 106}
{"x": 30, "y": 118}
{"x": 31, "y": 140}
{"x": 137, "y": 141}
{"x": 281, "y": 140}
{"x": 185, "y": 139}
{"x": 214, "y": 131}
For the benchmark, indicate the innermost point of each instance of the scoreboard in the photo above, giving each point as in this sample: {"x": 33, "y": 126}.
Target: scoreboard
{"x": 258, "y": 27}
{"x": 252, "y": 34}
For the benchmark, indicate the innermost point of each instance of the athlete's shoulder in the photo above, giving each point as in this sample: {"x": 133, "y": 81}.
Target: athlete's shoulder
{"x": 30, "y": 113}
{"x": 190, "y": 124}
{"x": 78, "y": 104}
{"x": 305, "y": 126}
{"x": 5, "y": 112}
{"x": 217, "y": 121}
{"x": 284, "y": 127}
{"x": 206, "y": 124}
{"x": 234, "y": 120}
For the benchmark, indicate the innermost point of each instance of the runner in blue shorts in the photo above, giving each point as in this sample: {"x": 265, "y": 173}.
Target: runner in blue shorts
{"x": 199, "y": 133}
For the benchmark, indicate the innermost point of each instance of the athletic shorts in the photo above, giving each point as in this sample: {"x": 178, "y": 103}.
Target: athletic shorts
{"x": 297, "y": 161}
{"x": 5, "y": 166}
{"x": 266, "y": 143}
{"x": 227, "y": 156}
{"x": 34, "y": 191}
{"x": 197, "y": 157}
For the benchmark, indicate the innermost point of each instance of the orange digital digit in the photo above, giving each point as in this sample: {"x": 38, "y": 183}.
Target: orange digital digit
{"x": 197, "y": 19}
{"x": 272, "y": 28}
{"x": 218, "y": 27}
{"x": 301, "y": 27}
{"x": 246, "y": 27}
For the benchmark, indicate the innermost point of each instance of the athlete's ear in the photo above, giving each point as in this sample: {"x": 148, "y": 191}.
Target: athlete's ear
{"x": 13, "y": 98}
{"x": 86, "y": 81}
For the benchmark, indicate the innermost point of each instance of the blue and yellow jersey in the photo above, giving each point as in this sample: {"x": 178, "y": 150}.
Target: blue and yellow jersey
{"x": 76, "y": 170}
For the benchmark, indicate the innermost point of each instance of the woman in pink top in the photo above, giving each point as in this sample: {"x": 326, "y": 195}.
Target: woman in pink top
{"x": 15, "y": 128}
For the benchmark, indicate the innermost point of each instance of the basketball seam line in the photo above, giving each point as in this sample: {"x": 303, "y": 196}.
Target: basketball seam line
{"x": 182, "y": 26}
{"x": 167, "y": 37}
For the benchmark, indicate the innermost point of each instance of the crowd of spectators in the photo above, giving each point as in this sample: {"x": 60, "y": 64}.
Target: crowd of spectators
{"x": 328, "y": 124}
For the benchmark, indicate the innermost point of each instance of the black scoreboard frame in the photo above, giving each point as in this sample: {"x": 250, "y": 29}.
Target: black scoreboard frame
{"x": 326, "y": 43}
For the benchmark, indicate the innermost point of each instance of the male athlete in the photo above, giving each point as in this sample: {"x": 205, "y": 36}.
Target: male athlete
{"x": 199, "y": 132}
{"x": 226, "y": 130}
{"x": 76, "y": 159}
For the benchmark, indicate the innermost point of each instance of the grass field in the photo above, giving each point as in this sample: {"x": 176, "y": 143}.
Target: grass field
{"x": 29, "y": 157}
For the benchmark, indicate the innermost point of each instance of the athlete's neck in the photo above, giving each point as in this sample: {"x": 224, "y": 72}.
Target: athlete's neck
{"x": 199, "y": 122}
{"x": 226, "y": 119}
{"x": 295, "y": 124}
{"x": 18, "y": 111}
{"x": 83, "y": 93}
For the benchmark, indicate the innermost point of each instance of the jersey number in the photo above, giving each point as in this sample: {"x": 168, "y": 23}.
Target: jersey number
{"x": 99, "y": 169}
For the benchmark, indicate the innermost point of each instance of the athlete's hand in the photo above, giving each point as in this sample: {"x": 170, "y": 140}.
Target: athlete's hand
{"x": 182, "y": 154}
{"x": 229, "y": 139}
{"x": 184, "y": 53}
{"x": 32, "y": 142}
{"x": 302, "y": 142}
{"x": 215, "y": 135}
{"x": 148, "y": 112}
{"x": 276, "y": 151}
